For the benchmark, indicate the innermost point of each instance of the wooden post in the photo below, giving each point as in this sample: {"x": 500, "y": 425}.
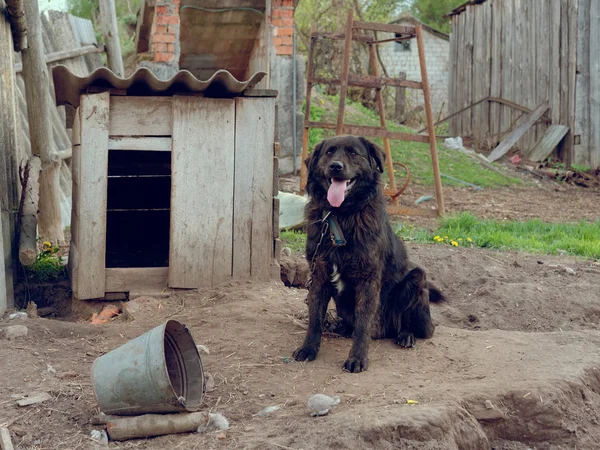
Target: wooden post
{"x": 35, "y": 74}
{"x": 8, "y": 162}
{"x": 29, "y": 212}
{"x": 108, "y": 17}
{"x": 344, "y": 75}
{"x": 380, "y": 106}
{"x": 305, "y": 136}
{"x": 400, "y": 99}
{"x": 430, "y": 127}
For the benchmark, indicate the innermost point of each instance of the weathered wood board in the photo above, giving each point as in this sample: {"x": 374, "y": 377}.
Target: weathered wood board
{"x": 547, "y": 143}
{"x": 202, "y": 191}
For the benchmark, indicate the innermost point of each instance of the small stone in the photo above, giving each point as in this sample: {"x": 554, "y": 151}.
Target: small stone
{"x": 221, "y": 436}
{"x": 320, "y": 404}
{"x": 17, "y": 315}
{"x": 100, "y": 437}
{"x": 570, "y": 271}
{"x": 36, "y": 353}
{"x": 487, "y": 415}
{"x": 50, "y": 369}
{"x": 15, "y": 332}
{"x": 561, "y": 252}
{"x": 209, "y": 382}
{"x": 268, "y": 410}
{"x": 488, "y": 404}
{"x": 248, "y": 429}
{"x": 203, "y": 348}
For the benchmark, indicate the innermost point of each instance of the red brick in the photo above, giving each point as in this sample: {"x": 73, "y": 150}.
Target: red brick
{"x": 163, "y": 57}
{"x": 171, "y": 48}
{"x": 277, "y": 12}
{"x": 284, "y": 50}
{"x": 176, "y": 2}
{"x": 278, "y": 22}
{"x": 285, "y": 31}
{"x": 288, "y": 3}
{"x": 277, "y": 41}
{"x": 160, "y": 29}
{"x": 287, "y": 22}
{"x": 161, "y": 10}
{"x": 164, "y": 37}
{"x": 287, "y": 40}
{"x": 173, "y": 29}
{"x": 160, "y": 47}
{"x": 283, "y": 12}
{"x": 165, "y": 20}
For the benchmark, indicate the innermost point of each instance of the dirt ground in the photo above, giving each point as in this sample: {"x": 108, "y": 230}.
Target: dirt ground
{"x": 521, "y": 334}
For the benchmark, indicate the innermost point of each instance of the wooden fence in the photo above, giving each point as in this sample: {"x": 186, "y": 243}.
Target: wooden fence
{"x": 517, "y": 50}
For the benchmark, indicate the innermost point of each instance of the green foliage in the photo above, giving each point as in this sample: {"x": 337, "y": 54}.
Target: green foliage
{"x": 433, "y": 12}
{"x": 415, "y": 155}
{"x": 47, "y": 268}
{"x": 466, "y": 230}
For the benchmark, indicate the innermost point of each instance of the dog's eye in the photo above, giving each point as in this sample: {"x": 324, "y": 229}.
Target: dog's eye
{"x": 329, "y": 152}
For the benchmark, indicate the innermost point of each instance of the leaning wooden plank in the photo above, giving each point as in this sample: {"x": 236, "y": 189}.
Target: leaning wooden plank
{"x": 5, "y": 440}
{"x": 526, "y": 123}
{"x": 547, "y": 143}
{"x": 66, "y": 54}
{"x": 91, "y": 206}
{"x": 201, "y": 191}
{"x": 253, "y": 197}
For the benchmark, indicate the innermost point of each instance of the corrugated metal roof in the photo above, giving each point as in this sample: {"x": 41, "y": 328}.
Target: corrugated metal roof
{"x": 408, "y": 17}
{"x": 460, "y": 9}
{"x": 68, "y": 86}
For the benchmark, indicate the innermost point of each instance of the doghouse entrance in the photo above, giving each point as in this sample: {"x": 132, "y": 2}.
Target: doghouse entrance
{"x": 138, "y": 208}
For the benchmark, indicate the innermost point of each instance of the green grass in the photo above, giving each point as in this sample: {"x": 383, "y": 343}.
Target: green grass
{"x": 415, "y": 155}
{"x": 465, "y": 230}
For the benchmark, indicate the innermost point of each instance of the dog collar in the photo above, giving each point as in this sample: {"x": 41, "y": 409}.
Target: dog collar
{"x": 337, "y": 236}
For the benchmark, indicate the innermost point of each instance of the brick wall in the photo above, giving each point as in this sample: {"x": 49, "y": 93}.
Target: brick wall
{"x": 282, "y": 20}
{"x": 437, "y": 58}
{"x": 164, "y": 36}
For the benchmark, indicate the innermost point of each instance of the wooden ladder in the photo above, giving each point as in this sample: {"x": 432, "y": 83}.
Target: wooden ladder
{"x": 376, "y": 82}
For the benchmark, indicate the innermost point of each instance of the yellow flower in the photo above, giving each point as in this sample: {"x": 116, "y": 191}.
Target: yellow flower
{"x": 459, "y": 239}
{"x": 454, "y": 243}
{"x": 445, "y": 237}
{"x": 437, "y": 238}
{"x": 322, "y": 102}
{"x": 469, "y": 239}
{"x": 47, "y": 244}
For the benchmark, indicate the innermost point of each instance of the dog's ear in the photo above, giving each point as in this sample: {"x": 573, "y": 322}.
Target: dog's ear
{"x": 311, "y": 161}
{"x": 375, "y": 153}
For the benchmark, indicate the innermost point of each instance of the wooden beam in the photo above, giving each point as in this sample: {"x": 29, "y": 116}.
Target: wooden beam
{"x": 150, "y": 279}
{"x": 155, "y": 144}
{"x": 108, "y": 18}
{"x": 370, "y": 82}
{"x": 385, "y": 27}
{"x": 361, "y": 130}
{"x": 547, "y": 143}
{"x": 35, "y": 74}
{"x": 342, "y": 36}
{"x": 67, "y": 54}
{"x": 9, "y": 132}
{"x": 509, "y": 141}
{"x": 430, "y": 127}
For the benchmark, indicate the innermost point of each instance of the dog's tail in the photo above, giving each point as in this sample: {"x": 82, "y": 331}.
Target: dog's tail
{"x": 435, "y": 294}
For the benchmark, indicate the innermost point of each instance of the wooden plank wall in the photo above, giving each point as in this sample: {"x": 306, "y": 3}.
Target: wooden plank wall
{"x": 525, "y": 54}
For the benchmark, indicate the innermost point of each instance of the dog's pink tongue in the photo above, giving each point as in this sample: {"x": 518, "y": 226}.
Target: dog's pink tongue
{"x": 336, "y": 192}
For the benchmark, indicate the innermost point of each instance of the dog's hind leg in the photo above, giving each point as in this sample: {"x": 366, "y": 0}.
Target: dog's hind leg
{"x": 407, "y": 310}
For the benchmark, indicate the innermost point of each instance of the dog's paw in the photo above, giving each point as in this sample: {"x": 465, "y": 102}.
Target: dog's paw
{"x": 355, "y": 365}
{"x": 405, "y": 339}
{"x": 305, "y": 353}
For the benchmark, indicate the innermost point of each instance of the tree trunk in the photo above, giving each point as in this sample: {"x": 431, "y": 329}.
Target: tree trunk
{"x": 35, "y": 74}
{"x": 29, "y": 210}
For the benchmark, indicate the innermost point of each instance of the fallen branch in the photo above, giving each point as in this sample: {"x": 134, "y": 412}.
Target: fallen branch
{"x": 150, "y": 425}
{"x": 5, "y": 441}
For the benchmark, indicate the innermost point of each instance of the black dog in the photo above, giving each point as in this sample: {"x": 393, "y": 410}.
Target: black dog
{"x": 356, "y": 258}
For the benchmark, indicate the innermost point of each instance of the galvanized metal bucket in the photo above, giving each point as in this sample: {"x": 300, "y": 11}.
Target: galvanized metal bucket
{"x": 157, "y": 372}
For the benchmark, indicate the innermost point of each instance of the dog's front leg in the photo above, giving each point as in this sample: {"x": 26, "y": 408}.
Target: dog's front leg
{"x": 319, "y": 295}
{"x": 367, "y": 298}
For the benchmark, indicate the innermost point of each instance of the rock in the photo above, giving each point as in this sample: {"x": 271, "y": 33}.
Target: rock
{"x": 100, "y": 437}
{"x": 203, "y": 348}
{"x": 320, "y": 404}
{"x": 50, "y": 369}
{"x": 268, "y": 410}
{"x": 216, "y": 422}
{"x": 32, "y": 311}
{"x": 15, "y": 332}
{"x": 561, "y": 252}
{"x": 570, "y": 271}
{"x": 487, "y": 415}
{"x": 286, "y": 251}
{"x": 142, "y": 305}
{"x": 17, "y": 315}
{"x": 488, "y": 404}
{"x": 221, "y": 436}
{"x": 209, "y": 382}
{"x": 34, "y": 398}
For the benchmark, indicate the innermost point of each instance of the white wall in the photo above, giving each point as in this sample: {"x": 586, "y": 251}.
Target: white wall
{"x": 437, "y": 56}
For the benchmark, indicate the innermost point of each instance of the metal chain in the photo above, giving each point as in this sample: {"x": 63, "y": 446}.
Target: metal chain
{"x": 324, "y": 230}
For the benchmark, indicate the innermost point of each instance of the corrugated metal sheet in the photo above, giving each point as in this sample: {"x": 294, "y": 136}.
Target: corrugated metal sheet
{"x": 68, "y": 86}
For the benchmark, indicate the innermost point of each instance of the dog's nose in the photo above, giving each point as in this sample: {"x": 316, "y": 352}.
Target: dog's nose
{"x": 336, "y": 166}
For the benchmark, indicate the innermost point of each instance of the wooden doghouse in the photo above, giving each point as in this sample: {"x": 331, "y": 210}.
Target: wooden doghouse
{"x": 171, "y": 188}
